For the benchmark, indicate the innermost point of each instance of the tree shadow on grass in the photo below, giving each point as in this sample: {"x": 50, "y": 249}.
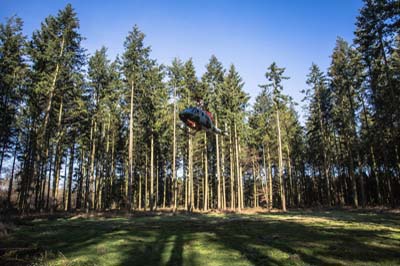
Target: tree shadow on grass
{"x": 313, "y": 245}
{"x": 358, "y": 216}
{"x": 167, "y": 241}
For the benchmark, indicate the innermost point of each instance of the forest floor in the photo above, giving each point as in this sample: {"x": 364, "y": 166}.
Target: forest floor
{"x": 334, "y": 237}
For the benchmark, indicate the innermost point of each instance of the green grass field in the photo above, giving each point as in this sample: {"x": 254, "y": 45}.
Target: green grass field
{"x": 293, "y": 238}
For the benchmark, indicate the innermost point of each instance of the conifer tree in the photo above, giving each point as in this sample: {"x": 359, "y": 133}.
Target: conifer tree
{"x": 318, "y": 119}
{"x": 13, "y": 70}
{"x": 135, "y": 63}
{"x": 275, "y": 76}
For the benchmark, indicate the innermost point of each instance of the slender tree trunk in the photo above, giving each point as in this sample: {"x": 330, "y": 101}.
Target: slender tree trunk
{"x": 280, "y": 163}
{"x": 232, "y": 180}
{"x": 174, "y": 177}
{"x": 186, "y": 190}
{"x": 57, "y": 159}
{"x": 92, "y": 182}
{"x": 80, "y": 182}
{"x": 165, "y": 186}
{"x": 218, "y": 168}
{"x": 87, "y": 187}
{"x": 191, "y": 176}
{"x": 130, "y": 152}
{"x": 362, "y": 186}
{"x": 70, "y": 174}
{"x": 289, "y": 165}
{"x": 38, "y": 172}
{"x": 265, "y": 182}
{"x": 239, "y": 194}
{"x": 190, "y": 195}
{"x": 223, "y": 173}
{"x": 157, "y": 184}
{"x": 10, "y": 184}
{"x": 241, "y": 179}
{"x": 49, "y": 179}
{"x": 254, "y": 184}
{"x": 107, "y": 165}
{"x": 3, "y": 151}
{"x": 152, "y": 172}
{"x": 146, "y": 195}
{"x": 57, "y": 170}
{"x": 269, "y": 179}
{"x": 52, "y": 90}
{"x": 43, "y": 182}
{"x": 140, "y": 192}
{"x": 352, "y": 177}
{"x": 205, "y": 207}
{"x": 65, "y": 185}
{"x": 112, "y": 171}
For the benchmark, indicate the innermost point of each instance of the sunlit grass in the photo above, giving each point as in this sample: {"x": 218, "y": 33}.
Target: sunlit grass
{"x": 294, "y": 238}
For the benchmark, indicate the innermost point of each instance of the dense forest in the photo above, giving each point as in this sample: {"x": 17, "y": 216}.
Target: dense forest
{"x": 86, "y": 132}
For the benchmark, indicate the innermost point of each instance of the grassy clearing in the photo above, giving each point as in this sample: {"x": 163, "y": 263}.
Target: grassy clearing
{"x": 294, "y": 238}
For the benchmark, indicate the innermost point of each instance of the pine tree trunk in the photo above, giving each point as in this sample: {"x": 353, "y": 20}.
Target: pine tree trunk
{"x": 70, "y": 174}
{"x": 38, "y": 172}
{"x": 80, "y": 181}
{"x": 157, "y": 184}
{"x": 3, "y": 151}
{"x": 112, "y": 171}
{"x": 223, "y": 173}
{"x": 140, "y": 192}
{"x": 49, "y": 179}
{"x": 239, "y": 194}
{"x": 289, "y": 165}
{"x": 198, "y": 195}
{"x": 52, "y": 89}
{"x": 57, "y": 158}
{"x": 270, "y": 194}
{"x": 205, "y": 207}
{"x": 65, "y": 184}
{"x": 10, "y": 185}
{"x": 107, "y": 165}
{"x": 241, "y": 186}
{"x": 352, "y": 177}
{"x": 174, "y": 177}
{"x": 165, "y": 187}
{"x": 87, "y": 187}
{"x": 186, "y": 191}
{"x": 57, "y": 169}
{"x": 191, "y": 176}
{"x": 190, "y": 195}
{"x": 152, "y": 173}
{"x": 130, "y": 152}
{"x": 265, "y": 182}
{"x": 43, "y": 179}
{"x": 92, "y": 182}
{"x": 280, "y": 163}
{"x": 361, "y": 173}
{"x": 218, "y": 169}
{"x": 232, "y": 180}
{"x": 146, "y": 200}
{"x": 254, "y": 184}
{"x": 126, "y": 189}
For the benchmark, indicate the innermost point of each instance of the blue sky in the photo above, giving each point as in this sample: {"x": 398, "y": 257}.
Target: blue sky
{"x": 249, "y": 34}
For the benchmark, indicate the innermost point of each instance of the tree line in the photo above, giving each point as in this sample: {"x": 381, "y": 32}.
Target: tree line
{"x": 82, "y": 132}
